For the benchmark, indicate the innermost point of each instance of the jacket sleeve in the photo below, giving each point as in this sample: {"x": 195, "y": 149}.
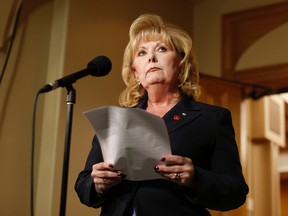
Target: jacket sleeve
{"x": 223, "y": 187}
{"x": 84, "y": 185}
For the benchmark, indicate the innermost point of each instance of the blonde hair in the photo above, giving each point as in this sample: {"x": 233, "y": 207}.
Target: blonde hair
{"x": 149, "y": 27}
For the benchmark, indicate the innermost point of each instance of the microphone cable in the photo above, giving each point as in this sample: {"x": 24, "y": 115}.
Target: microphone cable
{"x": 11, "y": 43}
{"x": 33, "y": 154}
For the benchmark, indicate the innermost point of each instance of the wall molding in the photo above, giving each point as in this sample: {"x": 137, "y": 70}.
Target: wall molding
{"x": 242, "y": 29}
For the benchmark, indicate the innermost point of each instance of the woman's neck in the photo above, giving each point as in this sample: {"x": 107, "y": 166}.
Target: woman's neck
{"x": 159, "y": 103}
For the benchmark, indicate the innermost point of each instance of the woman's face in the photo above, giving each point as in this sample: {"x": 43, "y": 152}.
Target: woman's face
{"x": 156, "y": 63}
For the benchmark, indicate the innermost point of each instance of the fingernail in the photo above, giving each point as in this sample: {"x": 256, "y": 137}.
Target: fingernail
{"x": 156, "y": 168}
{"x": 163, "y": 159}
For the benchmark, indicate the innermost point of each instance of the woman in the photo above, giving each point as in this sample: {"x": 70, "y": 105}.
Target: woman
{"x": 204, "y": 170}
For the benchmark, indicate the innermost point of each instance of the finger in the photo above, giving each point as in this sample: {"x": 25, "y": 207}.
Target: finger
{"x": 180, "y": 173}
{"x": 103, "y": 166}
{"x": 98, "y": 174}
{"x": 107, "y": 177}
{"x": 100, "y": 181}
{"x": 105, "y": 184}
{"x": 173, "y": 159}
{"x": 108, "y": 180}
{"x": 102, "y": 169}
{"x": 176, "y": 176}
{"x": 169, "y": 168}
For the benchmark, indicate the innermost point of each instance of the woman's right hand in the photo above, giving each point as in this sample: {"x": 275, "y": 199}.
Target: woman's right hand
{"x": 105, "y": 176}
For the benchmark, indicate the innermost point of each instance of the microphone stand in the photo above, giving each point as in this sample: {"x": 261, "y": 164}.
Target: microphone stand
{"x": 70, "y": 101}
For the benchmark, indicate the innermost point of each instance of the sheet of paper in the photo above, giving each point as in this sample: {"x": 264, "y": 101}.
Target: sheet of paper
{"x": 131, "y": 138}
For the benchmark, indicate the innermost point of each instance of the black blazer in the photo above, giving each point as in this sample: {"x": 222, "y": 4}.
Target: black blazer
{"x": 196, "y": 130}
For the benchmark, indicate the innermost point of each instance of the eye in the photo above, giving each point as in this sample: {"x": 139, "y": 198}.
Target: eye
{"x": 141, "y": 53}
{"x": 162, "y": 49}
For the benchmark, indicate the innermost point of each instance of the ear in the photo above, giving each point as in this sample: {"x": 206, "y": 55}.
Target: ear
{"x": 134, "y": 72}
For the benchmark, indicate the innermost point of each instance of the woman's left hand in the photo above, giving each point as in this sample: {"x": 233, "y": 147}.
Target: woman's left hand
{"x": 177, "y": 169}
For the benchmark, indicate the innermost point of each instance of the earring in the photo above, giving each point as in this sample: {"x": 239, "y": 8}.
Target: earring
{"x": 138, "y": 81}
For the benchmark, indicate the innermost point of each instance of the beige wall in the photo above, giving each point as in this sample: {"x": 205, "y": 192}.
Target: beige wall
{"x": 207, "y": 29}
{"x": 59, "y": 37}
{"x": 26, "y": 70}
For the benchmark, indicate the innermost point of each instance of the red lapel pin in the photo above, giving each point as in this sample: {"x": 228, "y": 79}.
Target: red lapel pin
{"x": 176, "y": 117}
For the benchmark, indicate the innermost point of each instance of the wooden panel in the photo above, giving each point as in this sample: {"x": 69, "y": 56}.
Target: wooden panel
{"x": 240, "y": 30}
{"x": 268, "y": 123}
{"x": 222, "y": 93}
{"x": 273, "y": 76}
{"x": 284, "y": 197}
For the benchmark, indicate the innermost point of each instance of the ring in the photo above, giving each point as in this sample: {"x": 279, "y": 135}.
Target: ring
{"x": 102, "y": 181}
{"x": 177, "y": 176}
{"x": 99, "y": 190}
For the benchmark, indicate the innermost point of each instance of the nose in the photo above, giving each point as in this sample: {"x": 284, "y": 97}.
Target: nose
{"x": 152, "y": 57}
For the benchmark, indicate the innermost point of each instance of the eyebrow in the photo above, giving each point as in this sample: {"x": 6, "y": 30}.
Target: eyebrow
{"x": 157, "y": 44}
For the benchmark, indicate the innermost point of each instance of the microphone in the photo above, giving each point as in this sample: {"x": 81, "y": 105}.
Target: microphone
{"x": 99, "y": 66}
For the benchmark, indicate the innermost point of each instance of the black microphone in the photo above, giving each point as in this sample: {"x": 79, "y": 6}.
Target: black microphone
{"x": 99, "y": 66}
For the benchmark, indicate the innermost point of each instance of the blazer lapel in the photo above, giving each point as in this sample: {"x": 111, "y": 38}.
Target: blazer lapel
{"x": 182, "y": 113}
{"x": 185, "y": 111}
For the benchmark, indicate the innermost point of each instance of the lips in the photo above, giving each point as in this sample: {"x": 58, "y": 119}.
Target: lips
{"x": 153, "y": 69}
